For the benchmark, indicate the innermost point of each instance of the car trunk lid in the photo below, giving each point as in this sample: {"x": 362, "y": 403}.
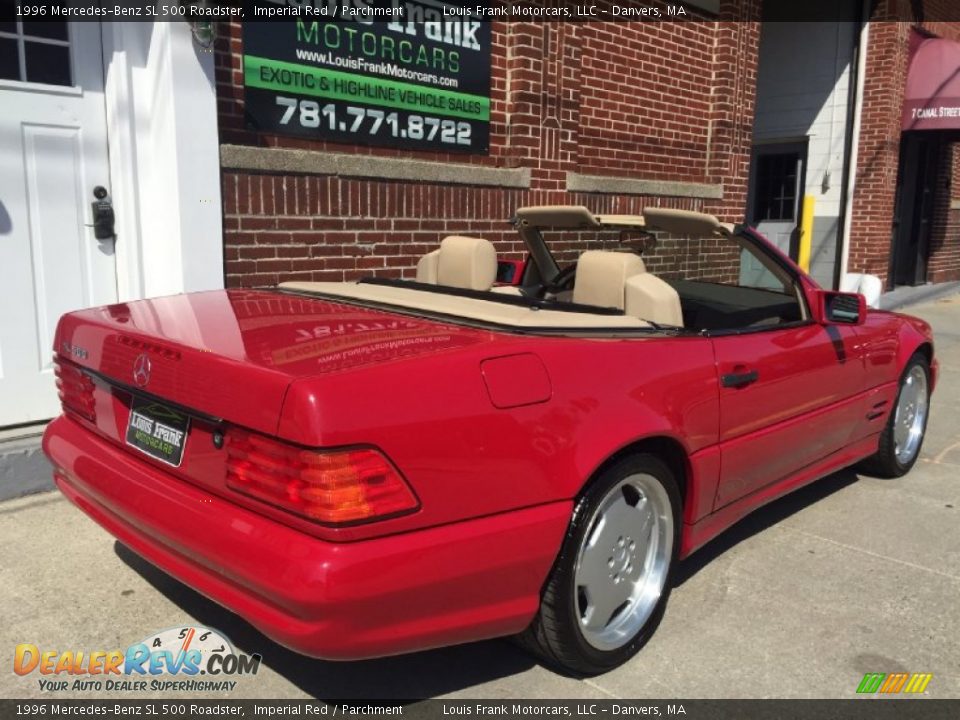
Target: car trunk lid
{"x": 231, "y": 355}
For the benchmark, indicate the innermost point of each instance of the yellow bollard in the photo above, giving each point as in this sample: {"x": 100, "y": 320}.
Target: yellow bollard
{"x": 806, "y": 232}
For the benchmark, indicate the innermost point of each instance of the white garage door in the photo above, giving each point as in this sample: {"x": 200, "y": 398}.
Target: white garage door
{"x": 53, "y": 153}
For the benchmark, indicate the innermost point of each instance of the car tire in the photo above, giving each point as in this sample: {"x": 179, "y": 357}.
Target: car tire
{"x": 622, "y": 543}
{"x": 902, "y": 436}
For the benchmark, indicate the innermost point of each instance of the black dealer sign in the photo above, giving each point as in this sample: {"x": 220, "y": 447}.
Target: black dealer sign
{"x": 420, "y": 80}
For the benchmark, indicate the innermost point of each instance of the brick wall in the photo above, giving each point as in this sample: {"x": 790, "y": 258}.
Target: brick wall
{"x": 879, "y": 148}
{"x": 650, "y": 110}
{"x": 655, "y": 101}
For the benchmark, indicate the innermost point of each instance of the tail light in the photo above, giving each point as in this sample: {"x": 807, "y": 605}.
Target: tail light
{"x": 75, "y": 389}
{"x": 333, "y": 487}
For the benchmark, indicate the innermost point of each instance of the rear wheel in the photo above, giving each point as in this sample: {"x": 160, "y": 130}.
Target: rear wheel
{"x": 608, "y": 589}
{"x": 903, "y": 435}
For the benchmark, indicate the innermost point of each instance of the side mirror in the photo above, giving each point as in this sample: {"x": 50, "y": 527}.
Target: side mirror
{"x": 870, "y": 286}
{"x": 840, "y": 308}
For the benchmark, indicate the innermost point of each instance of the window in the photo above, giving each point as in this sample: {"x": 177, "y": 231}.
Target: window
{"x": 37, "y": 52}
{"x": 775, "y": 193}
{"x": 726, "y": 284}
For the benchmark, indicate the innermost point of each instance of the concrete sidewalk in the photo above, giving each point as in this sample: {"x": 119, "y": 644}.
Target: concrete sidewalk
{"x": 848, "y": 576}
{"x": 24, "y": 469}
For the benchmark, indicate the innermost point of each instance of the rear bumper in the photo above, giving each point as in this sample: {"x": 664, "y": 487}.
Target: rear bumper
{"x": 451, "y": 584}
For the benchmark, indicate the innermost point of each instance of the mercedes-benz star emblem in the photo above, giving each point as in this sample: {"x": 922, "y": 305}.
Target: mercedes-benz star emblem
{"x": 141, "y": 370}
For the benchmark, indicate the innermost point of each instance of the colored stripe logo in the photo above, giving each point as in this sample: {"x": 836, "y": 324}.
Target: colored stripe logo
{"x": 890, "y": 683}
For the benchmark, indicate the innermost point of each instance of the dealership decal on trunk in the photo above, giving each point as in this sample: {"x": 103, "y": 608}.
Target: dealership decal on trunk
{"x": 157, "y": 430}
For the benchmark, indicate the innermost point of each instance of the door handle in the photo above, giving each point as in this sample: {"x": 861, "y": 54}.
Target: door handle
{"x": 737, "y": 380}
{"x": 103, "y": 216}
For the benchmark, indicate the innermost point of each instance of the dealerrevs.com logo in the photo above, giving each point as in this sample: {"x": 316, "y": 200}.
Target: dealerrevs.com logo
{"x": 187, "y": 659}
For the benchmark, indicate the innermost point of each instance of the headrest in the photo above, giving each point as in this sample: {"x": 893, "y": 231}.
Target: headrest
{"x": 467, "y": 262}
{"x": 602, "y": 276}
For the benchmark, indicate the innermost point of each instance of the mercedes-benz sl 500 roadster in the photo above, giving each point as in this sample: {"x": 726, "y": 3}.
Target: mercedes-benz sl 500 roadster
{"x": 381, "y": 466}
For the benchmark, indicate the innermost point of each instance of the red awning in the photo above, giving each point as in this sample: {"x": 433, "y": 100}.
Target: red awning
{"x": 932, "y": 99}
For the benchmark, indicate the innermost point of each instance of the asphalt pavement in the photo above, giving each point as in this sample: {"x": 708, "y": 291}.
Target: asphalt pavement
{"x": 847, "y": 576}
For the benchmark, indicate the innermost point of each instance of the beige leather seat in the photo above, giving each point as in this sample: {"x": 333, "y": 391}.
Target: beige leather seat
{"x": 460, "y": 262}
{"x": 620, "y": 280}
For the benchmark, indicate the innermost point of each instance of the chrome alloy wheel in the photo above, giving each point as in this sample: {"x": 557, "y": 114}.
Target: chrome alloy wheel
{"x": 910, "y": 417}
{"x": 623, "y": 561}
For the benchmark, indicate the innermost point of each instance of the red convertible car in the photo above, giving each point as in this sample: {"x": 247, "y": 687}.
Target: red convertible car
{"x": 382, "y": 466}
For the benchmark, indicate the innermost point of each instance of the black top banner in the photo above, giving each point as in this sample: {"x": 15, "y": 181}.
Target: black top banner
{"x": 411, "y": 75}
{"x": 914, "y": 11}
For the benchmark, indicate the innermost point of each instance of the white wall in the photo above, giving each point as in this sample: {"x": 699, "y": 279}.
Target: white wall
{"x": 164, "y": 158}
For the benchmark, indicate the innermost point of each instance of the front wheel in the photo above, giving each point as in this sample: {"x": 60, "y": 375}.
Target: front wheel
{"x": 903, "y": 435}
{"x": 609, "y": 587}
